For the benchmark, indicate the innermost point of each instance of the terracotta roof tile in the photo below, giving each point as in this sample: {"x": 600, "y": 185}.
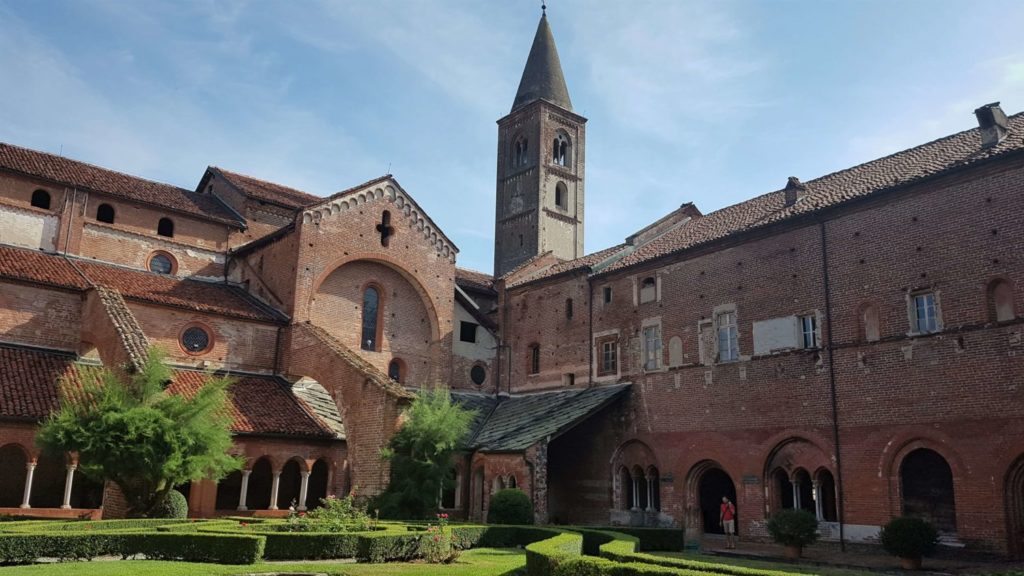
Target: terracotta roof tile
{"x": 588, "y": 261}
{"x": 86, "y": 176}
{"x": 474, "y": 280}
{"x": 259, "y": 405}
{"x": 29, "y": 388}
{"x": 34, "y": 266}
{"x": 939, "y": 156}
{"x": 267, "y": 191}
{"x": 215, "y": 298}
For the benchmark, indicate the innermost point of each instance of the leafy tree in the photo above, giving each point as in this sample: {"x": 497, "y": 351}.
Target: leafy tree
{"x": 420, "y": 454}
{"x": 134, "y": 433}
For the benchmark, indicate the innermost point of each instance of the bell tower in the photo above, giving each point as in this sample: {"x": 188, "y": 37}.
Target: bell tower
{"x": 540, "y": 165}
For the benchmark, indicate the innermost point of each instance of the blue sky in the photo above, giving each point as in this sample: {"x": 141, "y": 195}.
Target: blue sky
{"x": 711, "y": 102}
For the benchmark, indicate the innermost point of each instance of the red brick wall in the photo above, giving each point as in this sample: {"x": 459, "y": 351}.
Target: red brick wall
{"x": 40, "y": 317}
{"x": 237, "y": 344}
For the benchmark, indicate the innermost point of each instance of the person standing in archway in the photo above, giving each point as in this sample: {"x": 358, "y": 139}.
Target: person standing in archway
{"x": 727, "y": 520}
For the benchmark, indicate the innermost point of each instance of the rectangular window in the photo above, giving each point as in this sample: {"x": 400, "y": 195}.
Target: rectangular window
{"x": 467, "y": 331}
{"x": 607, "y": 294}
{"x": 809, "y": 331}
{"x": 652, "y": 347}
{"x": 608, "y": 359}
{"x": 568, "y": 379}
{"x": 728, "y": 338}
{"x": 535, "y": 359}
{"x": 568, "y": 308}
{"x": 925, "y": 317}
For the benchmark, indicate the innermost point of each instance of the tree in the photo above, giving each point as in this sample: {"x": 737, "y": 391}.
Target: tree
{"x": 134, "y": 433}
{"x": 420, "y": 454}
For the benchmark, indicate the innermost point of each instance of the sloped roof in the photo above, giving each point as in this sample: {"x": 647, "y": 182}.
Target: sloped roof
{"x": 480, "y": 404}
{"x": 940, "y": 156}
{"x": 519, "y": 421}
{"x": 322, "y": 404}
{"x": 266, "y": 191}
{"x": 565, "y": 266}
{"x": 56, "y": 270}
{"x": 542, "y": 77}
{"x": 85, "y": 176}
{"x": 473, "y": 280}
{"x": 30, "y": 391}
{"x": 260, "y": 405}
{"x": 39, "y": 267}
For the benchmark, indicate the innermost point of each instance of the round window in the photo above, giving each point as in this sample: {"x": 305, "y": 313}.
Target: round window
{"x": 195, "y": 339}
{"x": 161, "y": 264}
{"x": 478, "y": 374}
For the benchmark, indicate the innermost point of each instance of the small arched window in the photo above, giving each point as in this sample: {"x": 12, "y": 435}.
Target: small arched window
{"x": 560, "y": 150}
{"x": 371, "y": 313}
{"x": 41, "y": 199}
{"x": 105, "y": 213}
{"x": 561, "y": 196}
{"x": 520, "y": 152}
{"x": 1000, "y": 301}
{"x": 869, "y": 329}
{"x": 395, "y": 370}
{"x": 534, "y": 359}
{"x": 165, "y": 227}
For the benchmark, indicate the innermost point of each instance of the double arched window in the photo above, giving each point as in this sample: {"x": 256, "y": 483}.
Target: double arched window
{"x": 520, "y": 152}
{"x": 560, "y": 150}
{"x": 371, "y": 317}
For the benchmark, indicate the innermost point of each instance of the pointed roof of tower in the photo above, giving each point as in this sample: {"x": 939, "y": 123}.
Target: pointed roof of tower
{"x": 542, "y": 77}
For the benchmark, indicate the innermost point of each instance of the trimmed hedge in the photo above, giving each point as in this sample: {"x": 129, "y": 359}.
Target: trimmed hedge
{"x": 587, "y": 566}
{"x": 661, "y": 539}
{"x": 543, "y": 557}
{"x": 623, "y": 552}
{"x": 92, "y": 526}
{"x": 219, "y": 548}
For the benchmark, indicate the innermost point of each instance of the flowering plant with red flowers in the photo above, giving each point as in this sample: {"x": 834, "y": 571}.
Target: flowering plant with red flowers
{"x": 436, "y": 546}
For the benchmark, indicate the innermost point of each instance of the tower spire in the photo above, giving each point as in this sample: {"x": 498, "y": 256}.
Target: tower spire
{"x": 542, "y": 77}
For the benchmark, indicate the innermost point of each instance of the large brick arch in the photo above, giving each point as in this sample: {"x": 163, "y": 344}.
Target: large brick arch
{"x": 409, "y": 328}
{"x": 369, "y": 403}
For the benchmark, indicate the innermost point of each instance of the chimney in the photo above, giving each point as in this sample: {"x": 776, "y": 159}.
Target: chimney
{"x": 993, "y": 123}
{"x": 794, "y": 190}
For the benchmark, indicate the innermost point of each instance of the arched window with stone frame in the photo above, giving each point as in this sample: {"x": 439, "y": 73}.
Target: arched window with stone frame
{"x": 370, "y": 334}
{"x": 561, "y": 148}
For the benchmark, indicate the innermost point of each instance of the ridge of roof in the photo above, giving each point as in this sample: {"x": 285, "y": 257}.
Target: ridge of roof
{"x": 86, "y": 176}
{"x": 266, "y": 190}
{"x": 474, "y": 279}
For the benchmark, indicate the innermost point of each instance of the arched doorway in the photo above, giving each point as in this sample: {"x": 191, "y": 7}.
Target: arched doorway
{"x": 715, "y": 483}
{"x": 782, "y": 487}
{"x": 260, "y": 481}
{"x": 827, "y": 495}
{"x": 229, "y": 491}
{"x": 12, "y": 482}
{"x": 926, "y": 483}
{"x": 1015, "y": 509}
{"x": 48, "y": 481}
{"x": 317, "y": 484}
{"x": 289, "y": 485}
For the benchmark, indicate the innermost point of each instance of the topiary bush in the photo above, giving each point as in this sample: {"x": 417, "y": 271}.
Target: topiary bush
{"x": 797, "y": 528}
{"x": 510, "y": 506}
{"x": 909, "y": 537}
{"x": 174, "y": 505}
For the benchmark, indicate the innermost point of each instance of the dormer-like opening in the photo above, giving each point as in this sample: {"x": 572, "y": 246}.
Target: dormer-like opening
{"x": 41, "y": 199}
{"x": 165, "y": 227}
{"x": 105, "y": 213}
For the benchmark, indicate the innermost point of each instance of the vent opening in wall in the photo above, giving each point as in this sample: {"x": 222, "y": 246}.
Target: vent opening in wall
{"x": 41, "y": 199}
{"x": 105, "y": 213}
{"x": 165, "y": 227}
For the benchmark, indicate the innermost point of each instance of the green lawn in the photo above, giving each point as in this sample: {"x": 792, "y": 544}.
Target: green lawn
{"x": 765, "y": 565}
{"x": 477, "y": 562}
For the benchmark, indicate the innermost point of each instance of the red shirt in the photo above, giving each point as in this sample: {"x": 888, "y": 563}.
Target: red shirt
{"x": 728, "y": 510}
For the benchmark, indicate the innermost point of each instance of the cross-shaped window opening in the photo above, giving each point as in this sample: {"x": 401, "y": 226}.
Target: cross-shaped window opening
{"x": 385, "y": 228}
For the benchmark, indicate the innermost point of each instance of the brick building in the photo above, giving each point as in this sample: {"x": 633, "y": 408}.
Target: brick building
{"x": 849, "y": 344}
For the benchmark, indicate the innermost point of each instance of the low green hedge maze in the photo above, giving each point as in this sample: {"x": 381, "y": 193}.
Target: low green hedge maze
{"x": 550, "y": 551}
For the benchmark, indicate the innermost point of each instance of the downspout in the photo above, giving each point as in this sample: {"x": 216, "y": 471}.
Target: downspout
{"x": 590, "y": 328}
{"x": 832, "y": 384}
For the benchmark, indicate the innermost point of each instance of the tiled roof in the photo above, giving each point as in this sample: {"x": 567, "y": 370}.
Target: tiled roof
{"x": 259, "y": 405}
{"x": 86, "y": 176}
{"x": 481, "y": 405}
{"x": 588, "y": 261}
{"x": 943, "y": 155}
{"x": 267, "y": 191}
{"x": 30, "y": 390}
{"x": 56, "y": 270}
{"x": 29, "y": 377}
{"x": 215, "y": 298}
{"x": 520, "y": 421}
{"x": 321, "y": 403}
{"x": 473, "y": 280}
{"x": 357, "y": 187}
{"x": 34, "y": 266}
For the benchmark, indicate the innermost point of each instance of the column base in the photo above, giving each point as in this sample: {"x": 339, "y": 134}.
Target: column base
{"x": 25, "y": 506}
{"x": 272, "y": 508}
{"x": 65, "y": 507}
{"x": 301, "y": 509}
{"x": 242, "y": 509}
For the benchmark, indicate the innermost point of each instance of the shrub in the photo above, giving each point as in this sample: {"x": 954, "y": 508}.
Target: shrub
{"x": 389, "y": 546}
{"x": 543, "y": 557}
{"x": 173, "y": 505}
{"x": 189, "y": 547}
{"x": 909, "y": 537}
{"x": 793, "y": 528}
{"x": 662, "y": 539}
{"x": 510, "y": 506}
{"x": 334, "y": 515}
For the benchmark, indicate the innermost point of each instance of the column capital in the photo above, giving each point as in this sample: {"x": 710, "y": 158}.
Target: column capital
{"x": 246, "y": 473}
{"x": 277, "y": 473}
{"x": 30, "y": 466}
{"x": 305, "y": 474}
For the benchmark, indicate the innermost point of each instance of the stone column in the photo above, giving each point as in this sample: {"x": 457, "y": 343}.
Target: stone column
{"x": 30, "y": 471}
{"x": 636, "y": 492}
{"x": 796, "y": 495}
{"x": 244, "y": 491}
{"x": 817, "y": 502}
{"x": 303, "y": 491}
{"x": 650, "y": 494}
{"x": 68, "y": 482}
{"x": 273, "y": 490}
